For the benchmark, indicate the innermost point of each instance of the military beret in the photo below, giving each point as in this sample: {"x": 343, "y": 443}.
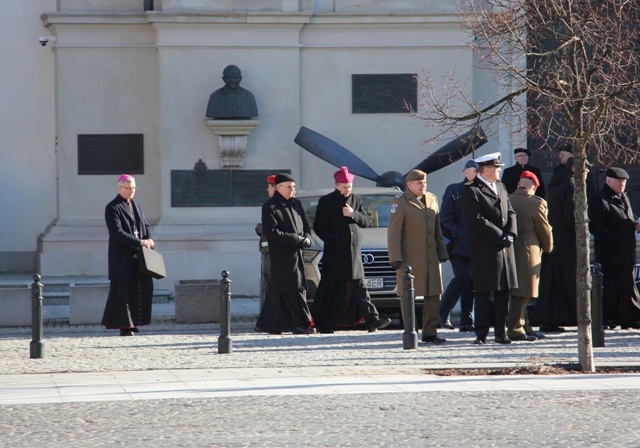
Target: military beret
{"x": 284, "y": 177}
{"x": 616, "y": 173}
{"x": 416, "y": 175}
{"x": 518, "y": 150}
{"x": 530, "y": 175}
{"x": 492, "y": 159}
{"x": 470, "y": 164}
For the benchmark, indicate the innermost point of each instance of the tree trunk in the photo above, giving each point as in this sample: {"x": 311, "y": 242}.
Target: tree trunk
{"x": 583, "y": 271}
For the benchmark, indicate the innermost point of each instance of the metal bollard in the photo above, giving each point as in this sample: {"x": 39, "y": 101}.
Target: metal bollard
{"x": 224, "y": 341}
{"x": 597, "y": 333}
{"x": 36, "y": 347}
{"x": 410, "y": 336}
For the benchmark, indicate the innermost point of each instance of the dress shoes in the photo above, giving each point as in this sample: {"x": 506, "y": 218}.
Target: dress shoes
{"x": 304, "y": 329}
{"x": 551, "y": 329}
{"x": 325, "y": 330}
{"x": 446, "y": 325}
{"x": 135, "y": 330}
{"x": 126, "y": 332}
{"x": 502, "y": 339}
{"x": 378, "y": 324}
{"x": 467, "y": 328}
{"x": 536, "y": 334}
{"x": 480, "y": 341}
{"x": 434, "y": 339}
{"x": 524, "y": 337}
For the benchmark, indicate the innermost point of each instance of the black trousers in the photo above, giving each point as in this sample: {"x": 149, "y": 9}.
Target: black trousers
{"x": 483, "y": 311}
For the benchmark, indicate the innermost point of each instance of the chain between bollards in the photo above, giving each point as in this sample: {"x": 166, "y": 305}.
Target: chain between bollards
{"x": 408, "y": 304}
{"x": 224, "y": 341}
{"x": 36, "y": 347}
{"x": 597, "y": 331}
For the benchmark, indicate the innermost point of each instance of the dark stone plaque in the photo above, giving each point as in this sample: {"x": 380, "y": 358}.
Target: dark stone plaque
{"x": 379, "y": 94}
{"x": 202, "y": 187}
{"x": 110, "y": 153}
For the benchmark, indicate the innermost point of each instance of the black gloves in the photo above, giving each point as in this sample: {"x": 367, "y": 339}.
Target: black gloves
{"x": 507, "y": 240}
{"x": 259, "y": 229}
{"x": 304, "y": 242}
{"x": 396, "y": 264}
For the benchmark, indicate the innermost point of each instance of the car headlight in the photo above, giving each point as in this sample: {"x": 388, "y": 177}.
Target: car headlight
{"x": 308, "y": 255}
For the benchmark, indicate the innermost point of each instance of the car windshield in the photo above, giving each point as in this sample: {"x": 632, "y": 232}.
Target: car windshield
{"x": 376, "y": 206}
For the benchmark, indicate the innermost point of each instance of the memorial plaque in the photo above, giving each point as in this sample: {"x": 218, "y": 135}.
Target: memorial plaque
{"x": 201, "y": 187}
{"x": 110, "y": 153}
{"x": 378, "y": 94}
{"x": 249, "y": 187}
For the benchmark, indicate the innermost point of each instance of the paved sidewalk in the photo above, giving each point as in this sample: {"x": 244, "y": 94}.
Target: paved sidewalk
{"x": 169, "y": 387}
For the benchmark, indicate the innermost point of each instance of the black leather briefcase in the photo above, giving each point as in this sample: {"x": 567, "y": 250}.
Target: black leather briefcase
{"x": 151, "y": 263}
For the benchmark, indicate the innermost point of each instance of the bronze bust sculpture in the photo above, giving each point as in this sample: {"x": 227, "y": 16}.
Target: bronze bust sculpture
{"x": 232, "y": 102}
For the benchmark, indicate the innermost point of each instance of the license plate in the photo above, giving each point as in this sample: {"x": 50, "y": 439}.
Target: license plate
{"x": 374, "y": 283}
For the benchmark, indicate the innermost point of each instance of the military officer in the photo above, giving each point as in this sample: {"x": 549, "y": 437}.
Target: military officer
{"x": 534, "y": 237}
{"x": 492, "y": 231}
{"x": 415, "y": 239}
{"x": 265, "y": 263}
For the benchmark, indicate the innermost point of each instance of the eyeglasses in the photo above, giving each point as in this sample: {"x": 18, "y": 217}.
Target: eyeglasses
{"x": 128, "y": 188}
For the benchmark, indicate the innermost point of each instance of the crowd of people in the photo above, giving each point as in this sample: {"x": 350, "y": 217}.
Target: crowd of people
{"x": 508, "y": 246}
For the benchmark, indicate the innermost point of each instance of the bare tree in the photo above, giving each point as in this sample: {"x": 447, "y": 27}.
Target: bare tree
{"x": 571, "y": 67}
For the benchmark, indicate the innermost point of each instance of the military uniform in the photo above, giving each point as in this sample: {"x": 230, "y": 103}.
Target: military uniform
{"x": 534, "y": 237}
{"x": 415, "y": 238}
{"x": 492, "y": 228}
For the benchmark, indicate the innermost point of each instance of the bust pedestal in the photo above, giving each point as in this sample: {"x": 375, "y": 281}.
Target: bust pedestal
{"x": 233, "y": 136}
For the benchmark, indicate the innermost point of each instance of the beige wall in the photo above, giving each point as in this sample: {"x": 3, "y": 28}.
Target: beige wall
{"x": 133, "y": 72}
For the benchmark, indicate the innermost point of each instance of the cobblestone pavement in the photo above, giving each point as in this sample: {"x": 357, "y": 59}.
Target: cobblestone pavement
{"x": 567, "y": 410}
{"x": 483, "y": 419}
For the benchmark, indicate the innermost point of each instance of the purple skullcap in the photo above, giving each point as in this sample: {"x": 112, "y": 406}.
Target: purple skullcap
{"x": 124, "y": 177}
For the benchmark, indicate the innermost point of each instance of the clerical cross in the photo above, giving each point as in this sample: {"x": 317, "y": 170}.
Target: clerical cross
{"x": 135, "y": 233}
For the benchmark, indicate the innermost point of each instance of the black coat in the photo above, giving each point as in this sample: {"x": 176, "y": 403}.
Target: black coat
{"x": 613, "y": 227}
{"x": 285, "y": 226}
{"x": 453, "y": 221}
{"x": 490, "y": 216}
{"x": 123, "y": 245}
{"x": 511, "y": 177}
{"x": 342, "y": 236}
{"x": 561, "y": 212}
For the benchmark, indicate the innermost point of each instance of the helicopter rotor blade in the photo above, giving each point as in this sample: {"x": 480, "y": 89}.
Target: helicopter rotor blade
{"x": 333, "y": 153}
{"x": 454, "y": 150}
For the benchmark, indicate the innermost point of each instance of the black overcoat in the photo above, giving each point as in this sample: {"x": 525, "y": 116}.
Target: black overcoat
{"x": 123, "y": 245}
{"x": 511, "y": 177}
{"x": 613, "y": 227}
{"x": 342, "y": 236}
{"x": 285, "y": 226}
{"x": 561, "y": 212}
{"x": 490, "y": 216}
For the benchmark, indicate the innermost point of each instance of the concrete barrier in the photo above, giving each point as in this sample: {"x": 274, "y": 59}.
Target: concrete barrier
{"x": 197, "y": 301}
{"x": 86, "y": 303}
{"x": 15, "y": 306}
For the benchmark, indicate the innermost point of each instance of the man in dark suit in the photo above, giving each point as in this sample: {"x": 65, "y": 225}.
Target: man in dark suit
{"x": 613, "y": 227}
{"x": 342, "y": 299}
{"x": 511, "y": 175}
{"x": 130, "y": 293}
{"x": 288, "y": 233}
{"x": 492, "y": 224}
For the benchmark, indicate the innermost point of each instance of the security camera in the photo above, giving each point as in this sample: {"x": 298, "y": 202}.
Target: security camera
{"x": 45, "y": 39}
